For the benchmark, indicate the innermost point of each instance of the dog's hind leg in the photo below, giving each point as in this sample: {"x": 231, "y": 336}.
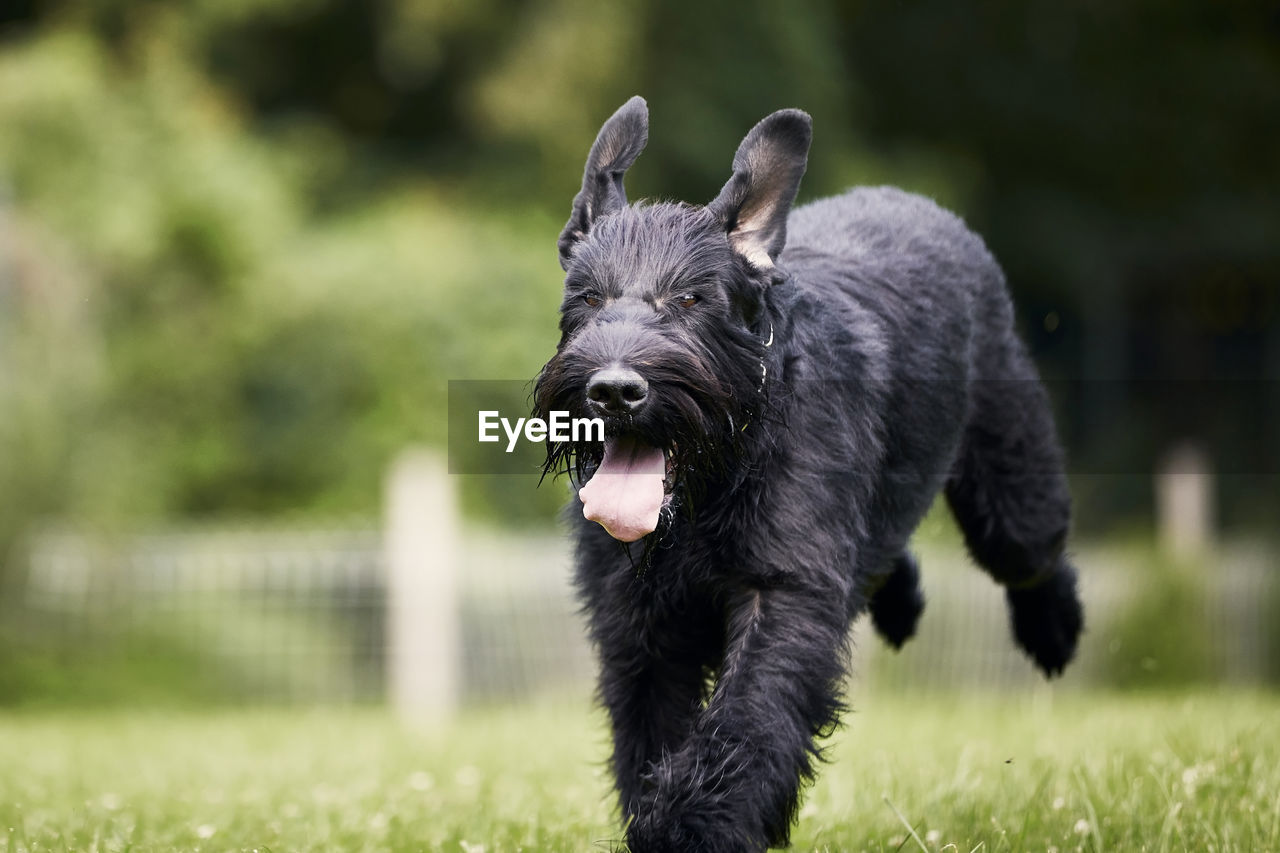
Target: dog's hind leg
{"x": 1008, "y": 492}
{"x": 896, "y": 606}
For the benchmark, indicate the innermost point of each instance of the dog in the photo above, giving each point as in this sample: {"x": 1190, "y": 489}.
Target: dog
{"x": 784, "y": 394}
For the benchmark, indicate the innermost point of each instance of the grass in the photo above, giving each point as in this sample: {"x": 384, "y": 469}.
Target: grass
{"x": 1194, "y": 771}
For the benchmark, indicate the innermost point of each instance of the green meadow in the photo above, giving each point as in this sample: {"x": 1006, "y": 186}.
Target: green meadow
{"x": 1038, "y": 771}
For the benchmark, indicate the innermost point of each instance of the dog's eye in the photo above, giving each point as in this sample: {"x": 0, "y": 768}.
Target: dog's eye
{"x": 688, "y": 300}
{"x": 592, "y": 300}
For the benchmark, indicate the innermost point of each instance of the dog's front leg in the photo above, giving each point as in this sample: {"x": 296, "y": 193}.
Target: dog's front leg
{"x": 652, "y": 702}
{"x": 734, "y": 784}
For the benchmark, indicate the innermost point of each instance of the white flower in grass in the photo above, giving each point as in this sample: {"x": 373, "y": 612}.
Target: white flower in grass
{"x": 933, "y": 836}
{"x": 205, "y": 830}
{"x": 110, "y": 802}
{"x": 1058, "y": 803}
{"x": 1081, "y": 827}
{"x": 1192, "y": 776}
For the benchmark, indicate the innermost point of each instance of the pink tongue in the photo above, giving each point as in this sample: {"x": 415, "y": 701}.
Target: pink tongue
{"x": 625, "y": 494}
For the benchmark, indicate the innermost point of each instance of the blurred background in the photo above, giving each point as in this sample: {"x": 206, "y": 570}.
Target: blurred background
{"x": 246, "y": 244}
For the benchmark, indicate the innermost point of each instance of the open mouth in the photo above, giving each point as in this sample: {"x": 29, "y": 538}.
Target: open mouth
{"x": 630, "y": 487}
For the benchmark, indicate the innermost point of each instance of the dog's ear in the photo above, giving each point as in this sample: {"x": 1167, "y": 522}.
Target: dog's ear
{"x": 620, "y": 142}
{"x": 766, "y": 175}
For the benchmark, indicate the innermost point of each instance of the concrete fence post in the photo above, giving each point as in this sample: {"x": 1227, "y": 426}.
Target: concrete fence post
{"x": 1184, "y": 502}
{"x": 421, "y": 550}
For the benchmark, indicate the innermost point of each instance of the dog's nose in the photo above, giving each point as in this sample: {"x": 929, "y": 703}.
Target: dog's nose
{"x": 617, "y": 391}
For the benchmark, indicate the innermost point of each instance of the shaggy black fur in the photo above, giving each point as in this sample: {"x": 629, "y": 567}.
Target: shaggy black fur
{"x": 815, "y": 378}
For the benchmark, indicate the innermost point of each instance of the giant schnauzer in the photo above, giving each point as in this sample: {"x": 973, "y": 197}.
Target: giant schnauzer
{"x": 784, "y": 394}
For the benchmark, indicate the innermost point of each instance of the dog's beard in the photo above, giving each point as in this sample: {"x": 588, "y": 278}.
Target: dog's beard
{"x": 659, "y": 463}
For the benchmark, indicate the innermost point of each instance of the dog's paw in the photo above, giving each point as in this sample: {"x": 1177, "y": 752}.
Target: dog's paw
{"x": 714, "y": 827}
{"x": 1047, "y": 620}
{"x": 896, "y": 606}
{"x": 651, "y": 836}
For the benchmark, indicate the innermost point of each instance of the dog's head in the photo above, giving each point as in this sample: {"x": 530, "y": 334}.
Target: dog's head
{"x": 663, "y": 335}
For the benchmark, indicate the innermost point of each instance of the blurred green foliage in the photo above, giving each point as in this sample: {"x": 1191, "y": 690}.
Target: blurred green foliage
{"x": 244, "y": 245}
{"x": 148, "y": 656}
{"x": 1162, "y": 637}
{"x": 187, "y": 333}
{"x": 126, "y": 669}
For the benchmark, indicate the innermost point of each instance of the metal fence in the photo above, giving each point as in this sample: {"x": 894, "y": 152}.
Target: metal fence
{"x": 288, "y": 615}
{"x": 303, "y": 615}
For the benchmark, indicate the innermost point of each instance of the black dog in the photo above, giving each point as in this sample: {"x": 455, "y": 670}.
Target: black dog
{"x": 778, "y": 421}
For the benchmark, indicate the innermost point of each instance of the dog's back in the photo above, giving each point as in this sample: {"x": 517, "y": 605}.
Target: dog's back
{"x": 914, "y": 266}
